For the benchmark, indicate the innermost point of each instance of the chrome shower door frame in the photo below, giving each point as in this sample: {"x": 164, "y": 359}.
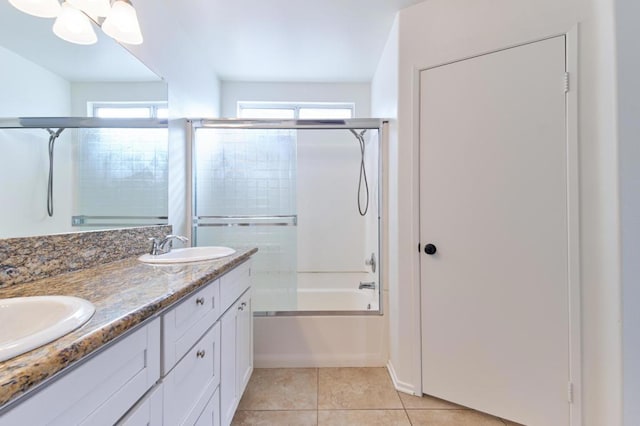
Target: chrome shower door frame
{"x": 380, "y": 125}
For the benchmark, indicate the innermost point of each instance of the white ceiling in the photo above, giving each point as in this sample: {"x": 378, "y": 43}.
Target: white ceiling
{"x": 242, "y": 40}
{"x": 291, "y": 40}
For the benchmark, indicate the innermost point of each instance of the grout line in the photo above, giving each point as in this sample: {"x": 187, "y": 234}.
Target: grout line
{"x": 404, "y": 407}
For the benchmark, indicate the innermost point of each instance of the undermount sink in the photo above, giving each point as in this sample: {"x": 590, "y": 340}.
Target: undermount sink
{"x": 29, "y": 322}
{"x": 189, "y": 254}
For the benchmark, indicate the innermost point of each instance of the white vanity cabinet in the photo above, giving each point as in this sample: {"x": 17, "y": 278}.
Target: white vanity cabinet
{"x": 175, "y": 370}
{"x": 101, "y": 390}
{"x": 208, "y": 359}
{"x": 237, "y": 350}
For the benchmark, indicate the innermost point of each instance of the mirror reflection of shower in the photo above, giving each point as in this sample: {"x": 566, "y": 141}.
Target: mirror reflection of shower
{"x": 289, "y": 191}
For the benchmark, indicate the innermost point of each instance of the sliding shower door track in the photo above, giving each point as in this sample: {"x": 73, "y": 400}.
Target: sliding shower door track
{"x": 316, "y": 313}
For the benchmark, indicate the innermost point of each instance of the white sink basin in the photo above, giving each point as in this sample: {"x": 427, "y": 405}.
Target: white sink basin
{"x": 29, "y": 322}
{"x": 189, "y": 254}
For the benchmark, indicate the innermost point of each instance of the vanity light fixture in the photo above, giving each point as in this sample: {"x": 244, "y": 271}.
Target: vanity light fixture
{"x": 122, "y": 23}
{"x": 74, "y": 26}
{"x": 39, "y": 8}
{"x": 93, "y": 8}
{"x": 117, "y": 18}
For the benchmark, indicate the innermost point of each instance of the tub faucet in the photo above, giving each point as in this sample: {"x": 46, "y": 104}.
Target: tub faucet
{"x": 370, "y": 285}
{"x": 164, "y": 245}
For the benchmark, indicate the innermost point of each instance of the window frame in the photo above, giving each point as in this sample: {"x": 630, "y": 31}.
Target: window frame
{"x": 295, "y": 106}
{"x": 153, "y": 107}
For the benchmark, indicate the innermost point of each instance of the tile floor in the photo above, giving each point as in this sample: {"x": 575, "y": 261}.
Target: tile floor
{"x": 344, "y": 397}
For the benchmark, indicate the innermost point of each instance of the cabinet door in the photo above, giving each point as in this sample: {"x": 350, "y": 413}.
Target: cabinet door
{"x": 229, "y": 397}
{"x": 147, "y": 412}
{"x": 244, "y": 338}
{"x": 210, "y": 416}
{"x": 189, "y": 386}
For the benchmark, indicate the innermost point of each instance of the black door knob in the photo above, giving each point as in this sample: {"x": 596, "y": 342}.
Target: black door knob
{"x": 430, "y": 249}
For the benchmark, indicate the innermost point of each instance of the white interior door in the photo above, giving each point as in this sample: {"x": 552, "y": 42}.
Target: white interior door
{"x": 493, "y": 200}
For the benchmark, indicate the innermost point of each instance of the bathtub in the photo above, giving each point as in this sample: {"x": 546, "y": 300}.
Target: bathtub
{"x": 336, "y": 325}
{"x": 335, "y": 291}
{"x": 343, "y": 300}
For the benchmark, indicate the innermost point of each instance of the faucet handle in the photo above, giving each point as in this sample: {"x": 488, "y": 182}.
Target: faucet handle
{"x": 155, "y": 246}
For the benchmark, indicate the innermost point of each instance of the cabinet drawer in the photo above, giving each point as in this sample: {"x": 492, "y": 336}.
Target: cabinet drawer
{"x": 193, "y": 380}
{"x": 100, "y": 391}
{"x": 234, "y": 283}
{"x": 184, "y": 324}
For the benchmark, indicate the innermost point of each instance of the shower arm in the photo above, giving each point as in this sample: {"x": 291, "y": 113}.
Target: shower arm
{"x": 53, "y": 136}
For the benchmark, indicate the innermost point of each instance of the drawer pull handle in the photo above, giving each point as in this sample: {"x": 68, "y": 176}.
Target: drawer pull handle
{"x": 200, "y": 353}
{"x": 241, "y": 308}
{"x": 200, "y": 301}
{"x": 243, "y": 304}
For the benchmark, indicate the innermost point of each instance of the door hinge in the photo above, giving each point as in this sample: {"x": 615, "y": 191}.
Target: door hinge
{"x": 570, "y": 392}
{"x": 566, "y": 82}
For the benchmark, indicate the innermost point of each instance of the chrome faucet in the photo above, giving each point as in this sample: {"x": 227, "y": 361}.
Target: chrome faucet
{"x": 164, "y": 245}
{"x": 370, "y": 285}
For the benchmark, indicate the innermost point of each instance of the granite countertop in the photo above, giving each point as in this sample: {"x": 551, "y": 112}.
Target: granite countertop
{"x": 125, "y": 293}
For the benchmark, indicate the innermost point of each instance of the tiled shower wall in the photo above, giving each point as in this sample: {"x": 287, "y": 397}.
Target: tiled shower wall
{"x": 121, "y": 172}
{"x": 251, "y": 173}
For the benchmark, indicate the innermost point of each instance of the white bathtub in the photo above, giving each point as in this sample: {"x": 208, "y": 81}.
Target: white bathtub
{"x": 337, "y": 300}
{"x": 328, "y": 340}
{"x": 336, "y": 291}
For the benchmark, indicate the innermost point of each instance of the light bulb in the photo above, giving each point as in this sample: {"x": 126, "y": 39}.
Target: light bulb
{"x": 74, "y": 26}
{"x": 122, "y": 23}
{"x": 39, "y": 8}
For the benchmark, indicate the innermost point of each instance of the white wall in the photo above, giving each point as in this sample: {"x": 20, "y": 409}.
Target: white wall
{"x": 358, "y": 93}
{"x": 30, "y": 90}
{"x": 384, "y": 103}
{"x": 194, "y": 91}
{"x": 439, "y": 31}
{"x": 628, "y": 34}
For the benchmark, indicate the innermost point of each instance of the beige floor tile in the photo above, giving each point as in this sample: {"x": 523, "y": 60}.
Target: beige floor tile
{"x": 281, "y": 389}
{"x": 452, "y": 418}
{"x": 272, "y": 418}
{"x": 426, "y": 403}
{"x": 510, "y": 423}
{"x": 356, "y": 388}
{"x": 363, "y": 418}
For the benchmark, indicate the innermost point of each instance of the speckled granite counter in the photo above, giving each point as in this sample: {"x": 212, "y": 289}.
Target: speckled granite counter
{"x": 125, "y": 293}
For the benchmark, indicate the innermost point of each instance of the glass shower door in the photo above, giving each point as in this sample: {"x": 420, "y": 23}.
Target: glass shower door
{"x": 245, "y": 195}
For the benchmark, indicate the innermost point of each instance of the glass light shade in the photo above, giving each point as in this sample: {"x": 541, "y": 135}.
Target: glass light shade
{"x": 74, "y": 26}
{"x": 40, "y": 8}
{"x": 93, "y": 8}
{"x": 122, "y": 23}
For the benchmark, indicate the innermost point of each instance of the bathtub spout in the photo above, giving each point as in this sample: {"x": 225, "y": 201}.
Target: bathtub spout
{"x": 370, "y": 285}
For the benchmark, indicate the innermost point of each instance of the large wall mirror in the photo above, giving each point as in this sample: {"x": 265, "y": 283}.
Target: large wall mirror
{"x": 101, "y": 177}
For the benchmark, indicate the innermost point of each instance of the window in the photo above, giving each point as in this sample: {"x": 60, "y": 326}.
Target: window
{"x": 128, "y": 110}
{"x": 292, "y": 111}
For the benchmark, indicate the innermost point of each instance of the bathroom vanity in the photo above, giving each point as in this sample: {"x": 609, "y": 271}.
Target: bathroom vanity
{"x": 168, "y": 345}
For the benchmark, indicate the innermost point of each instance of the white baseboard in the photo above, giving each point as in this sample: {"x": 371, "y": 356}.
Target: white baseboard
{"x": 399, "y": 385}
{"x": 317, "y": 360}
